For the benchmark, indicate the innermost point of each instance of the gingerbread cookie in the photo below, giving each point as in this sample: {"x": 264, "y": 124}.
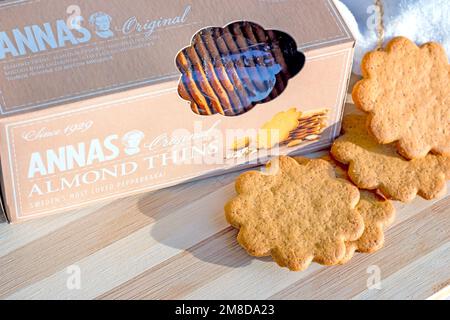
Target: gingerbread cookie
{"x": 374, "y": 166}
{"x": 377, "y": 213}
{"x": 406, "y": 90}
{"x": 290, "y": 128}
{"x": 226, "y": 71}
{"x": 217, "y": 73}
{"x": 295, "y": 213}
{"x": 278, "y": 128}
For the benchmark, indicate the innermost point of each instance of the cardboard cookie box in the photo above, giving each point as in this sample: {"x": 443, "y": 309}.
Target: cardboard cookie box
{"x": 103, "y": 99}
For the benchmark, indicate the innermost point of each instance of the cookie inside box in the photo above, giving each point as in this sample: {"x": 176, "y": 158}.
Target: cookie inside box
{"x": 229, "y": 70}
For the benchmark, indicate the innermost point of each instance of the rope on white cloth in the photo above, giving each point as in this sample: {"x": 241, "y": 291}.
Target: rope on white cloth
{"x": 420, "y": 20}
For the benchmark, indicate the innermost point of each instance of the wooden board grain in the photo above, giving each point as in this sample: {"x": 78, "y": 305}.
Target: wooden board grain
{"x": 176, "y": 244}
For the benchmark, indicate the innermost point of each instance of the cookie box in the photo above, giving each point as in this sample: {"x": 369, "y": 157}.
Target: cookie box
{"x": 104, "y": 99}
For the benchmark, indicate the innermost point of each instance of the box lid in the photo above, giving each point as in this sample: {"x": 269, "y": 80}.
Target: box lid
{"x": 54, "y": 52}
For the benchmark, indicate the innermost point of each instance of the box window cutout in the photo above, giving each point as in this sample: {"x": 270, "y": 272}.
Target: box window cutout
{"x": 230, "y": 70}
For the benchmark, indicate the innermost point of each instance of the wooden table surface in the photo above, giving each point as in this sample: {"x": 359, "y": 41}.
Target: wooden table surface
{"x": 176, "y": 244}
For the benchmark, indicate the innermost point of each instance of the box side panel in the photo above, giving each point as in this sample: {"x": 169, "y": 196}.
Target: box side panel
{"x": 73, "y": 155}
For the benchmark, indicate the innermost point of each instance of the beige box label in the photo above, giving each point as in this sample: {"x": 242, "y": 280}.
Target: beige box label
{"x": 115, "y": 145}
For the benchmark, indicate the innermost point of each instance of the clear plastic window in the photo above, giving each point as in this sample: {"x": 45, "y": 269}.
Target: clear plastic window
{"x": 232, "y": 69}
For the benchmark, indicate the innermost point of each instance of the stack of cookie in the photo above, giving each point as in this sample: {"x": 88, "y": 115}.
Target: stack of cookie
{"x": 323, "y": 210}
{"x": 229, "y": 70}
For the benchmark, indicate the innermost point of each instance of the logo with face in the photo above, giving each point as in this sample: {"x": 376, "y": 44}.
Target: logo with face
{"x": 102, "y": 23}
{"x": 132, "y": 141}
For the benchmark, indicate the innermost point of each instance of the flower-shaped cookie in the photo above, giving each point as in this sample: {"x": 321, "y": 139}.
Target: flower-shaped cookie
{"x": 296, "y": 213}
{"x": 406, "y": 90}
{"x": 278, "y": 128}
{"x": 377, "y": 213}
{"x": 374, "y": 166}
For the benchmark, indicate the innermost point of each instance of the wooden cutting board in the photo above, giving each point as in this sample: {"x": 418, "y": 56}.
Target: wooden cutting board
{"x": 176, "y": 244}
